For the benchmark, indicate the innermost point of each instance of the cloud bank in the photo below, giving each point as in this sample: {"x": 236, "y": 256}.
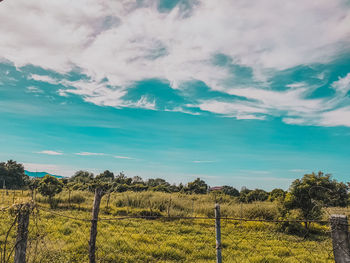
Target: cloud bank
{"x": 234, "y": 47}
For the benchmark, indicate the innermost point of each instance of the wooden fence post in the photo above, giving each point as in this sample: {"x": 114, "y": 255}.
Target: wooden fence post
{"x": 218, "y": 234}
{"x": 340, "y": 238}
{"x": 24, "y": 211}
{"x": 99, "y": 192}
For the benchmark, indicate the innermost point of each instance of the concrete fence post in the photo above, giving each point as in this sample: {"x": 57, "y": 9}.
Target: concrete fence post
{"x": 218, "y": 234}
{"x": 340, "y": 238}
{"x": 24, "y": 211}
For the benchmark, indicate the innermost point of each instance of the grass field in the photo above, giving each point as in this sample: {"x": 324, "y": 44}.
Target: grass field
{"x": 62, "y": 235}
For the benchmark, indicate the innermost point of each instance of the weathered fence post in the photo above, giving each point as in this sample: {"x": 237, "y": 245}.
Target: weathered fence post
{"x": 218, "y": 234}
{"x": 24, "y": 211}
{"x": 99, "y": 192}
{"x": 340, "y": 238}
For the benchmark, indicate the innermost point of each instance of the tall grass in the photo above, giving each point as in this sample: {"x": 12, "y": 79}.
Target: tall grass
{"x": 60, "y": 235}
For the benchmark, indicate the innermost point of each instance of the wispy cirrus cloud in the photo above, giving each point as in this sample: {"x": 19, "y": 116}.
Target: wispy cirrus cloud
{"x": 123, "y": 157}
{"x": 90, "y": 154}
{"x": 32, "y": 89}
{"x": 49, "y": 152}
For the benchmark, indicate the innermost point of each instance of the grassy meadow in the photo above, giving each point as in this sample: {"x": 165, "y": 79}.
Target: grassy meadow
{"x": 62, "y": 234}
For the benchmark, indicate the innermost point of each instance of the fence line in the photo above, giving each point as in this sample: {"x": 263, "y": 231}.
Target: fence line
{"x": 185, "y": 217}
{"x": 136, "y": 232}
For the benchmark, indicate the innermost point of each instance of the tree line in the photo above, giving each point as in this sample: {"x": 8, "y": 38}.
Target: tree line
{"x": 305, "y": 198}
{"x": 12, "y": 176}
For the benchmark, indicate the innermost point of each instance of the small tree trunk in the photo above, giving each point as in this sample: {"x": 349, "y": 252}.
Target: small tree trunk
{"x": 93, "y": 231}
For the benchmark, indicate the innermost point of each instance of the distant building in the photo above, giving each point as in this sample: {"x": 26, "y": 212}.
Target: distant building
{"x": 215, "y": 188}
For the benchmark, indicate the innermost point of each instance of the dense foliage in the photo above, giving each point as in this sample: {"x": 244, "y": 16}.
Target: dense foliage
{"x": 313, "y": 192}
{"x": 50, "y": 186}
{"x": 12, "y": 175}
{"x": 304, "y": 195}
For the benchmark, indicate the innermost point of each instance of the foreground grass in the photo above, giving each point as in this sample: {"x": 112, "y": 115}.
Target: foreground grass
{"x": 62, "y": 235}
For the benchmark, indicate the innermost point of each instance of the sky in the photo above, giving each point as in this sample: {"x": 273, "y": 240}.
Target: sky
{"x": 242, "y": 93}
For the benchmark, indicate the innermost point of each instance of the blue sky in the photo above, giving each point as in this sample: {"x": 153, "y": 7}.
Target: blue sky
{"x": 228, "y": 91}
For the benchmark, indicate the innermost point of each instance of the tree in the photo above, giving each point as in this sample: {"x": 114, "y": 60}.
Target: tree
{"x": 277, "y": 194}
{"x": 156, "y": 182}
{"x": 313, "y": 192}
{"x": 33, "y": 185}
{"x": 82, "y": 177}
{"x": 198, "y": 186}
{"x": 243, "y": 194}
{"x": 105, "y": 176}
{"x": 12, "y": 175}
{"x": 121, "y": 178}
{"x": 256, "y": 195}
{"x": 50, "y": 186}
{"x": 229, "y": 190}
{"x": 137, "y": 180}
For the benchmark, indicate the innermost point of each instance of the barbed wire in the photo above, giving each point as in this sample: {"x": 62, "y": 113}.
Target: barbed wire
{"x": 134, "y": 238}
{"x": 184, "y": 217}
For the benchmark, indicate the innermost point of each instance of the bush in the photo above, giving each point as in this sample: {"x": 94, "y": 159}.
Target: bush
{"x": 290, "y": 226}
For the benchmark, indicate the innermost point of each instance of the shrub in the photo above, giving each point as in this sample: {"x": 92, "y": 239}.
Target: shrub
{"x": 50, "y": 186}
{"x": 290, "y": 226}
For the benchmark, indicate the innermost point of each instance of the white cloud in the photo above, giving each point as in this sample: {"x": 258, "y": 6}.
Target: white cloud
{"x": 342, "y": 85}
{"x": 239, "y": 110}
{"x": 291, "y": 100}
{"x": 143, "y": 102}
{"x": 123, "y": 157}
{"x": 180, "y": 109}
{"x": 146, "y": 44}
{"x": 336, "y": 117}
{"x": 89, "y": 154}
{"x": 48, "y": 152}
{"x": 43, "y": 78}
{"x": 116, "y": 43}
{"x": 32, "y": 89}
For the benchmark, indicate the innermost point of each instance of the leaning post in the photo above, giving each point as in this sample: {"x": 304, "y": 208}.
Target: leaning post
{"x": 218, "y": 234}
{"x": 340, "y": 238}
{"x": 99, "y": 192}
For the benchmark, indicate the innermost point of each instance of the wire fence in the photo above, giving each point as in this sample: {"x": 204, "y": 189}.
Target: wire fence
{"x": 63, "y": 236}
{"x": 32, "y": 232}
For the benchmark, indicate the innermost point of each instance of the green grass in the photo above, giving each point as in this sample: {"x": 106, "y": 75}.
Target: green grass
{"x": 55, "y": 236}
